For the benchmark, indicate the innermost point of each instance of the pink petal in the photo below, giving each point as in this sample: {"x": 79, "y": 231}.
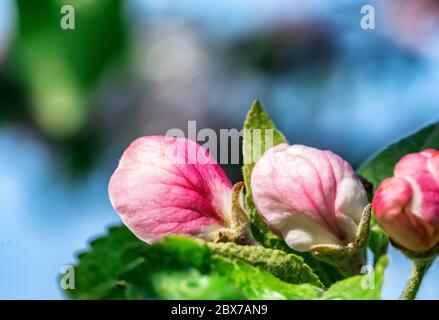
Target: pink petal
{"x": 166, "y": 185}
{"x": 391, "y": 205}
{"x": 407, "y": 205}
{"x": 421, "y": 171}
{"x": 308, "y": 196}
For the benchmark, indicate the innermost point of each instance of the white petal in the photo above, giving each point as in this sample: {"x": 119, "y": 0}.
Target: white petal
{"x": 302, "y": 232}
{"x": 351, "y": 198}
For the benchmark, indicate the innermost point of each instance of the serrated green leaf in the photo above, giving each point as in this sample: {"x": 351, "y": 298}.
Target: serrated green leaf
{"x": 362, "y": 287}
{"x": 119, "y": 266}
{"x": 257, "y": 126}
{"x": 256, "y": 143}
{"x": 260, "y": 134}
{"x": 102, "y": 264}
{"x": 287, "y": 267}
{"x": 381, "y": 167}
{"x": 259, "y": 284}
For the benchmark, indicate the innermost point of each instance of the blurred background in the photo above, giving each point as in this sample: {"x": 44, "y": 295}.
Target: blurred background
{"x": 72, "y": 100}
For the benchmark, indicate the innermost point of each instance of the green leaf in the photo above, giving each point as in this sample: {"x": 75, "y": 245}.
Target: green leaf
{"x": 257, "y": 127}
{"x": 378, "y": 240}
{"x": 194, "y": 285}
{"x": 259, "y": 284}
{"x": 260, "y": 134}
{"x": 101, "y": 265}
{"x": 119, "y": 266}
{"x": 362, "y": 287}
{"x": 60, "y": 67}
{"x": 381, "y": 167}
{"x": 287, "y": 267}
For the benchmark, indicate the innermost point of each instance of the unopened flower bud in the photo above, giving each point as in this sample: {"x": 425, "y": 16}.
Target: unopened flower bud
{"x": 407, "y": 205}
{"x": 308, "y": 196}
{"x": 166, "y": 185}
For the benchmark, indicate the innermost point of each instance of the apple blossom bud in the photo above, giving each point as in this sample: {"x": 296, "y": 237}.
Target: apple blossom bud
{"x": 308, "y": 196}
{"x": 407, "y": 205}
{"x": 166, "y": 185}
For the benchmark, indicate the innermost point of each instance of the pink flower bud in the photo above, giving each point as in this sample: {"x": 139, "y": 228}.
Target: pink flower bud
{"x": 166, "y": 185}
{"x": 407, "y": 205}
{"x": 308, "y": 196}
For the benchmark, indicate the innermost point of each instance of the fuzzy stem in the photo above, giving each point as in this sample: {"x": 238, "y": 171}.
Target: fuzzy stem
{"x": 349, "y": 258}
{"x": 239, "y": 229}
{"x": 419, "y": 269}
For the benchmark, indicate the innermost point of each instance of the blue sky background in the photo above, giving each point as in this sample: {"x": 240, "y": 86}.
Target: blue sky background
{"x": 45, "y": 220}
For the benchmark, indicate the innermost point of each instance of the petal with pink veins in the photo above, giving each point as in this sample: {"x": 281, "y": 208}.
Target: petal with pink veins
{"x": 165, "y": 185}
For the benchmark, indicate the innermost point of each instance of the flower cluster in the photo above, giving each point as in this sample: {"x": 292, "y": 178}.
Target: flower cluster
{"x": 311, "y": 199}
{"x": 167, "y": 185}
{"x": 306, "y": 196}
